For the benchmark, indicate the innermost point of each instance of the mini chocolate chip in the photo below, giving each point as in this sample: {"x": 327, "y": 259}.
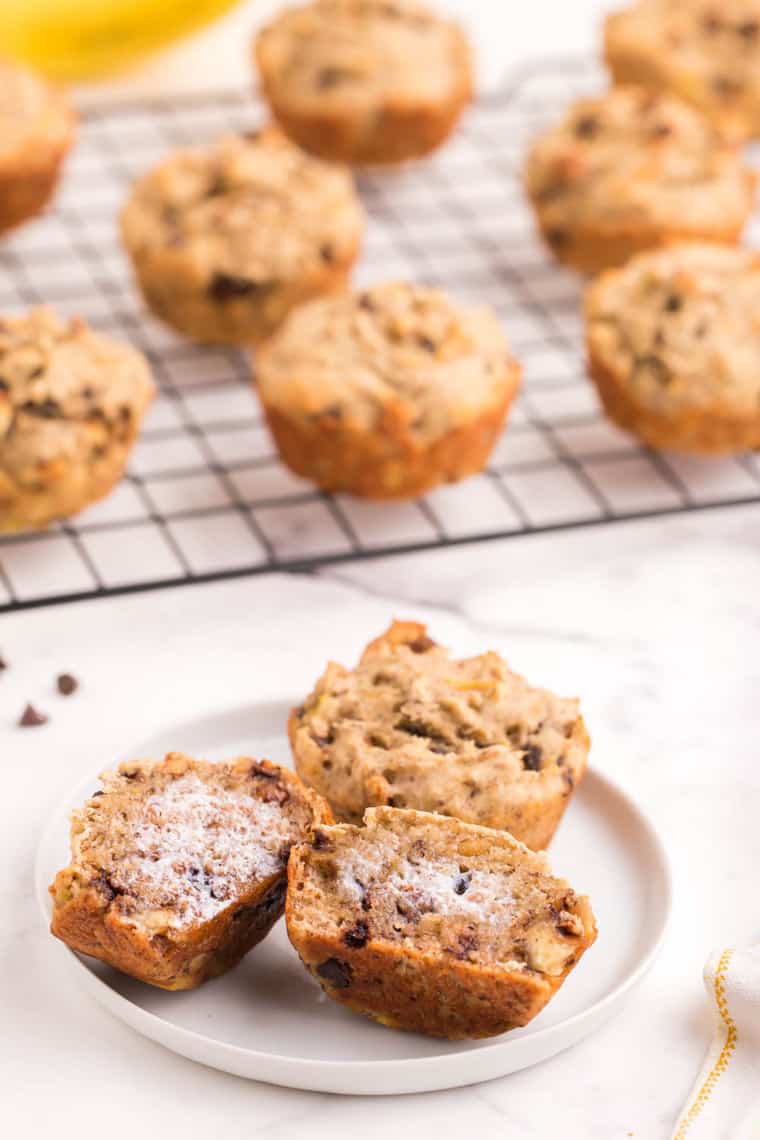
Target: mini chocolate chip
{"x": 319, "y": 840}
{"x": 556, "y": 237}
{"x": 327, "y": 253}
{"x": 226, "y": 287}
{"x": 587, "y": 127}
{"x": 217, "y": 186}
{"x": 45, "y": 409}
{"x": 4, "y": 385}
{"x": 36, "y": 372}
{"x": 748, "y": 29}
{"x": 421, "y": 644}
{"x": 531, "y": 760}
{"x": 337, "y": 973}
{"x": 323, "y": 741}
{"x": 673, "y": 302}
{"x": 654, "y": 365}
{"x": 32, "y": 717}
{"x": 66, "y": 684}
{"x": 357, "y": 936}
{"x": 427, "y": 343}
{"x": 462, "y": 882}
{"x": 365, "y": 302}
{"x": 96, "y": 794}
{"x": 661, "y": 131}
{"x": 87, "y": 393}
{"x": 568, "y": 780}
{"x": 329, "y": 77}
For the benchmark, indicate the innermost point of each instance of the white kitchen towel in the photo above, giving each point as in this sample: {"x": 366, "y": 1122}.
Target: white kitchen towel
{"x": 724, "y": 1103}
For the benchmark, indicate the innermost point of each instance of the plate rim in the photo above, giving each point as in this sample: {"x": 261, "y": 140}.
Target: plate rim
{"x": 151, "y": 1024}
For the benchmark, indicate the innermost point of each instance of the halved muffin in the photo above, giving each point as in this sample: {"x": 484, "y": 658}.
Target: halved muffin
{"x": 433, "y": 925}
{"x": 178, "y": 866}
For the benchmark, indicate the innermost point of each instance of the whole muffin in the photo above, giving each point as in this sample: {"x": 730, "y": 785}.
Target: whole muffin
{"x": 387, "y": 392}
{"x": 706, "y": 52}
{"x": 630, "y": 170}
{"x": 674, "y": 347}
{"x": 365, "y": 81}
{"x": 412, "y": 727}
{"x": 225, "y": 240}
{"x": 37, "y": 128}
{"x": 71, "y": 402}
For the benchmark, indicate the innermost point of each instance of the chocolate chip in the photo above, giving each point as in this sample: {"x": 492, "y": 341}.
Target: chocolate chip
{"x": 217, "y": 186}
{"x": 556, "y": 237}
{"x": 327, "y": 253}
{"x": 673, "y": 302}
{"x": 748, "y": 29}
{"x": 329, "y": 77}
{"x": 337, "y": 973}
{"x": 587, "y": 127}
{"x": 661, "y": 131}
{"x": 653, "y": 364}
{"x": 462, "y": 882}
{"x": 4, "y": 385}
{"x": 427, "y": 343}
{"x": 87, "y": 393}
{"x": 320, "y": 841}
{"x": 45, "y": 409}
{"x": 96, "y": 794}
{"x": 421, "y": 644}
{"x": 66, "y": 684}
{"x": 365, "y": 302}
{"x": 357, "y": 936}
{"x": 532, "y": 756}
{"x": 226, "y": 287}
{"x": 32, "y": 717}
{"x": 3, "y": 664}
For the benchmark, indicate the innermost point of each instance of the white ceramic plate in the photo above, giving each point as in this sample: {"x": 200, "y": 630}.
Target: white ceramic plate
{"x": 268, "y": 1020}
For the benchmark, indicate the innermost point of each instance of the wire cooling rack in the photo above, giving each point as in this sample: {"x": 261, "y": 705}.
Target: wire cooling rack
{"x": 206, "y": 497}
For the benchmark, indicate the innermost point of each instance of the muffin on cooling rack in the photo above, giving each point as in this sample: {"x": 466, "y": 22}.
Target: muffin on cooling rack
{"x": 412, "y": 727}
{"x": 71, "y": 404}
{"x": 674, "y": 347}
{"x": 433, "y": 925}
{"x": 225, "y": 240}
{"x": 37, "y": 128}
{"x": 630, "y": 170}
{"x": 706, "y": 52}
{"x": 365, "y": 81}
{"x": 178, "y": 866}
{"x": 387, "y": 392}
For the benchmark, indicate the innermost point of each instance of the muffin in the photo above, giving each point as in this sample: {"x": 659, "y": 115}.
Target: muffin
{"x": 178, "y": 866}
{"x": 365, "y": 81}
{"x": 37, "y": 127}
{"x": 412, "y": 727}
{"x": 225, "y": 240}
{"x": 387, "y": 392}
{"x": 71, "y": 403}
{"x": 673, "y": 344}
{"x": 706, "y": 52}
{"x": 433, "y": 925}
{"x": 631, "y": 170}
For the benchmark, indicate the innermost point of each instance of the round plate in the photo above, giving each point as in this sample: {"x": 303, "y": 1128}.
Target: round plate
{"x": 268, "y": 1019}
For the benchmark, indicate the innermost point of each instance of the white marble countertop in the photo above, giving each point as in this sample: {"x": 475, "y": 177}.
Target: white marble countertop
{"x": 653, "y": 624}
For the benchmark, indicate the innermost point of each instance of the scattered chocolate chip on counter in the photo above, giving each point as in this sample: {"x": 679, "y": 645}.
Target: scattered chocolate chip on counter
{"x": 32, "y": 717}
{"x": 66, "y": 684}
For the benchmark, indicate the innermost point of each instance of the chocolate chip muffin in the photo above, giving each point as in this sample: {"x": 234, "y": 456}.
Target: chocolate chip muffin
{"x": 674, "y": 347}
{"x": 365, "y": 81}
{"x": 706, "y": 52}
{"x": 387, "y": 392}
{"x": 226, "y": 240}
{"x": 71, "y": 403}
{"x": 433, "y": 925}
{"x": 178, "y": 866}
{"x": 631, "y": 170}
{"x": 412, "y": 727}
{"x": 37, "y": 126}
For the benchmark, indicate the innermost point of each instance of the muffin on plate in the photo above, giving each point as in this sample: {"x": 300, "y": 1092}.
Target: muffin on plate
{"x": 706, "y": 52}
{"x": 71, "y": 404}
{"x": 387, "y": 392}
{"x": 37, "y": 127}
{"x": 673, "y": 344}
{"x": 178, "y": 866}
{"x": 433, "y": 925}
{"x": 410, "y": 726}
{"x": 225, "y": 240}
{"x": 365, "y": 81}
{"x": 631, "y": 170}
